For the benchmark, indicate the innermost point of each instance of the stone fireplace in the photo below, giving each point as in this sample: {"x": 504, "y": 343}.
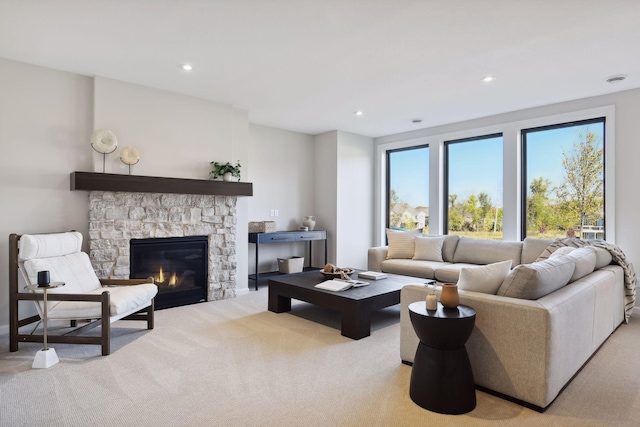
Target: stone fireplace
{"x": 116, "y": 217}
{"x": 125, "y": 207}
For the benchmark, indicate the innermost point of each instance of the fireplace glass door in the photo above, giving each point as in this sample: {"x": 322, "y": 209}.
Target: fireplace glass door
{"x": 177, "y": 264}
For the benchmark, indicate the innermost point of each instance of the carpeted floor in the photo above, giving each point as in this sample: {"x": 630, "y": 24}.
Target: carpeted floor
{"x": 233, "y": 363}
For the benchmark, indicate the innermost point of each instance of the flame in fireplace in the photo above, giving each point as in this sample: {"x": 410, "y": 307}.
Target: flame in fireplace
{"x": 160, "y": 278}
{"x": 173, "y": 280}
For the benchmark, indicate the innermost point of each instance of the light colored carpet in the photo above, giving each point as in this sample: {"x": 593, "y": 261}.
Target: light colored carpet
{"x": 233, "y": 363}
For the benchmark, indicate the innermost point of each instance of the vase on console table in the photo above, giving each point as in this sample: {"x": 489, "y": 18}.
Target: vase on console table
{"x": 309, "y": 221}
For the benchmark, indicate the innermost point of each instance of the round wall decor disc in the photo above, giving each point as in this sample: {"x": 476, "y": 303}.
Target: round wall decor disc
{"x": 104, "y": 141}
{"x": 129, "y": 156}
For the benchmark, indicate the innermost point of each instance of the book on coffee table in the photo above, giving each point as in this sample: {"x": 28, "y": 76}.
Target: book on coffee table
{"x": 337, "y": 285}
{"x": 372, "y": 275}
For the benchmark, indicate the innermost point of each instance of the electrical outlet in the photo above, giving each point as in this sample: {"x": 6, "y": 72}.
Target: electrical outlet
{"x": 271, "y": 212}
{"x": 276, "y": 212}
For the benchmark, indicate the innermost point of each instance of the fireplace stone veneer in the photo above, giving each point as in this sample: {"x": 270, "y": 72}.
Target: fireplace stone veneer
{"x": 117, "y": 217}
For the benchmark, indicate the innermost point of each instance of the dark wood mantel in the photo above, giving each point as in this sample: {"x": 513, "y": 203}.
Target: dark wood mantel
{"x": 92, "y": 181}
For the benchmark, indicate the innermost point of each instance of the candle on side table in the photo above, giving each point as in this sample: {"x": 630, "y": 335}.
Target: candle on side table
{"x": 432, "y": 298}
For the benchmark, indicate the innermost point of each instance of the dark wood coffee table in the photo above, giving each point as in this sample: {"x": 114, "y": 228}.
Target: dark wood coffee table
{"x": 355, "y": 304}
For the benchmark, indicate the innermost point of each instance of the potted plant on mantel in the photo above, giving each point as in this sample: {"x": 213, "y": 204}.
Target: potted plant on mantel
{"x": 225, "y": 170}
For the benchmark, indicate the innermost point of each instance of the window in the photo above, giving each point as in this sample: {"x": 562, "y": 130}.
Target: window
{"x": 473, "y": 187}
{"x": 408, "y": 188}
{"x": 563, "y": 179}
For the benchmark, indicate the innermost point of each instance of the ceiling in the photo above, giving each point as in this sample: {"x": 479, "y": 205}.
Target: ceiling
{"x": 308, "y": 65}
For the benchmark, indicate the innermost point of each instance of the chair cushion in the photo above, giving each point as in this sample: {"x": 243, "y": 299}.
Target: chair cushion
{"x": 428, "y": 248}
{"x": 74, "y": 270}
{"x": 49, "y": 245}
{"x": 122, "y": 299}
{"x": 484, "y": 278}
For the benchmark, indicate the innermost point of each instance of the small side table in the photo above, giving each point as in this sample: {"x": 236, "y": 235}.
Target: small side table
{"x": 46, "y": 357}
{"x": 441, "y": 377}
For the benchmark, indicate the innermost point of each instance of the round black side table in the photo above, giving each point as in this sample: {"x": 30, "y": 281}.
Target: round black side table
{"x": 441, "y": 377}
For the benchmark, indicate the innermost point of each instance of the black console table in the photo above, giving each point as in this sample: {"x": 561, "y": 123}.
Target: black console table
{"x": 287, "y": 237}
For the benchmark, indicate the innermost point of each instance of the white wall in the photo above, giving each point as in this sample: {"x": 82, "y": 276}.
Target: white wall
{"x": 282, "y": 172}
{"x": 344, "y": 187}
{"x": 626, "y": 173}
{"x": 354, "y": 204}
{"x": 326, "y": 188}
{"x": 45, "y": 126}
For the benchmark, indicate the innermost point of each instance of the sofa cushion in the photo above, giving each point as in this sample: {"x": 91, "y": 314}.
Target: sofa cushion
{"x": 449, "y": 246}
{"x": 533, "y": 281}
{"x": 603, "y": 258}
{"x": 532, "y": 248}
{"x": 401, "y": 243}
{"x": 428, "y": 248}
{"x": 410, "y": 267}
{"x": 485, "y": 278}
{"x": 483, "y": 251}
{"x": 449, "y": 273}
{"x": 584, "y": 258}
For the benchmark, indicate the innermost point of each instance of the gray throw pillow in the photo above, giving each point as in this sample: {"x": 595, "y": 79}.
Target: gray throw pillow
{"x": 533, "y": 281}
{"x": 585, "y": 259}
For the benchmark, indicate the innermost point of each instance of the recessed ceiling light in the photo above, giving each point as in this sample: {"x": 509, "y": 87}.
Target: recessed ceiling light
{"x": 358, "y": 113}
{"x": 618, "y": 78}
{"x": 487, "y": 79}
{"x": 416, "y": 120}
{"x": 187, "y": 67}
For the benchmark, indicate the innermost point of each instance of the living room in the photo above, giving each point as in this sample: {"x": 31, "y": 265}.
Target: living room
{"x": 47, "y": 116}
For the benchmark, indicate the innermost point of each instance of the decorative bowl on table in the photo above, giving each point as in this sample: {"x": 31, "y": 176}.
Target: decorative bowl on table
{"x": 330, "y": 271}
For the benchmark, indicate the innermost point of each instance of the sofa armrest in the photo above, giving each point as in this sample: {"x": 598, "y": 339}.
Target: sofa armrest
{"x": 525, "y": 349}
{"x": 375, "y": 256}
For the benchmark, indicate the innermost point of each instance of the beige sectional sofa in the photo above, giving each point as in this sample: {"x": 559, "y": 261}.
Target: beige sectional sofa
{"x": 523, "y": 349}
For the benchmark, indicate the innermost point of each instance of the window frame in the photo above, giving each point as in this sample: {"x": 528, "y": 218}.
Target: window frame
{"x": 388, "y": 154}
{"x": 523, "y": 161}
{"x": 446, "y": 170}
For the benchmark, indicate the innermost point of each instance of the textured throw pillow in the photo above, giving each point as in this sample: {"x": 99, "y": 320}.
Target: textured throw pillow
{"x": 484, "y": 278}
{"x": 401, "y": 243}
{"x": 585, "y": 259}
{"x": 562, "y": 251}
{"x": 533, "y": 281}
{"x": 428, "y": 248}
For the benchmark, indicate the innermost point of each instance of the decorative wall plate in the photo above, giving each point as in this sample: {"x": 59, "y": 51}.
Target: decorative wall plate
{"x": 129, "y": 156}
{"x": 104, "y": 141}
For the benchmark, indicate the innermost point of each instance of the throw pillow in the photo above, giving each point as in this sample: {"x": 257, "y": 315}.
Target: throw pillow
{"x": 562, "y": 251}
{"x": 401, "y": 243}
{"x": 428, "y": 248}
{"x": 533, "y": 281}
{"x": 585, "y": 259}
{"x": 484, "y": 278}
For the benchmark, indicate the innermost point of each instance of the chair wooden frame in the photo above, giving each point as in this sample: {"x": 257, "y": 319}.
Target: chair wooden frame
{"x": 71, "y": 337}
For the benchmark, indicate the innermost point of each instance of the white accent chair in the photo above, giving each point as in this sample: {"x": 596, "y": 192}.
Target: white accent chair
{"x": 84, "y": 299}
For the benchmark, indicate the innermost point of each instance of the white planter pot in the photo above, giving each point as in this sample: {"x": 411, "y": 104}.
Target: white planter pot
{"x": 227, "y": 177}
